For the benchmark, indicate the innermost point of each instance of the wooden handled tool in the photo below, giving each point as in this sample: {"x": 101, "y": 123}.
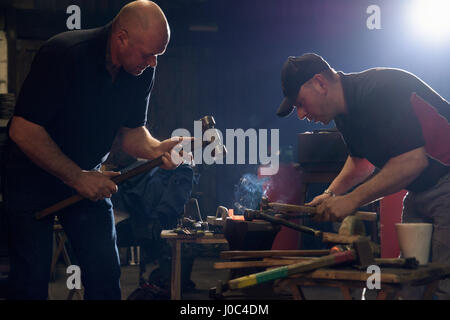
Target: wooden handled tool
{"x": 290, "y": 208}
{"x": 361, "y": 253}
{"x": 324, "y": 236}
{"x": 208, "y": 122}
{"x": 147, "y": 166}
{"x": 239, "y": 254}
{"x": 406, "y": 263}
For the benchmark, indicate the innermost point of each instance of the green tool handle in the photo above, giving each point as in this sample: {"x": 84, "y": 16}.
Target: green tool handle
{"x": 283, "y": 272}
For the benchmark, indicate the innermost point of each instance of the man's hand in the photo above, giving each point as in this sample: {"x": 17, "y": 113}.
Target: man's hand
{"x": 171, "y": 152}
{"x": 335, "y": 208}
{"x": 318, "y": 200}
{"x": 95, "y": 185}
{"x": 139, "y": 143}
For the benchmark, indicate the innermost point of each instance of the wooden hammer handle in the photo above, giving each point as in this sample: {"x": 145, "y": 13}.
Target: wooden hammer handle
{"x": 290, "y": 208}
{"x": 59, "y": 206}
{"x": 147, "y": 166}
{"x": 292, "y": 269}
{"x": 271, "y": 253}
{"x": 339, "y": 238}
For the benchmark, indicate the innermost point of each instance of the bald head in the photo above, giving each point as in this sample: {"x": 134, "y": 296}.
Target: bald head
{"x": 141, "y": 17}
{"x": 142, "y": 28}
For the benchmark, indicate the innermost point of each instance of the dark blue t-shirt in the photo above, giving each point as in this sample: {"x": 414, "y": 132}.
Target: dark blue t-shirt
{"x": 71, "y": 94}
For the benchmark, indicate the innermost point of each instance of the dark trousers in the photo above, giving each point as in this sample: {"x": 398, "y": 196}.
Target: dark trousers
{"x": 89, "y": 227}
{"x": 432, "y": 206}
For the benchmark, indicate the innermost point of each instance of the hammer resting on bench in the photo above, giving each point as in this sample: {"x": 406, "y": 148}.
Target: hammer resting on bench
{"x": 360, "y": 254}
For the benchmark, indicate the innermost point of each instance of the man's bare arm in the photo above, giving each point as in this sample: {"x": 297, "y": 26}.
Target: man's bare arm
{"x": 139, "y": 143}
{"x": 396, "y": 174}
{"x": 37, "y": 144}
{"x": 355, "y": 171}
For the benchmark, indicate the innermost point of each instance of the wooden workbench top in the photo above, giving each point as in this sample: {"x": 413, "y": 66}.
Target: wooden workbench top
{"x": 205, "y": 237}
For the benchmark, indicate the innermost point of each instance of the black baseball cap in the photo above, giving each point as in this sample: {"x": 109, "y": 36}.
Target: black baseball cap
{"x": 297, "y": 71}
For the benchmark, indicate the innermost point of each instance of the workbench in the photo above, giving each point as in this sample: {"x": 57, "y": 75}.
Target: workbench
{"x": 175, "y": 241}
{"x": 392, "y": 280}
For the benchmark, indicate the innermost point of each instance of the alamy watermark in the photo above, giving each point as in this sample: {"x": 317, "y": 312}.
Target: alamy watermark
{"x": 73, "y": 22}
{"x": 374, "y": 281}
{"x": 373, "y": 22}
{"x": 213, "y": 153}
{"x": 74, "y": 280}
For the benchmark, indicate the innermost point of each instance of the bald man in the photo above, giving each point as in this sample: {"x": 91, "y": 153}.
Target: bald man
{"x": 84, "y": 88}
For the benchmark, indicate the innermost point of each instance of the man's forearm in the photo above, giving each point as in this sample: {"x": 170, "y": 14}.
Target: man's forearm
{"x": 36, "y": 143}
{"x": 139, "y": 143}
{"x": 395, "y": 175}
{"x": 355, "y": 171}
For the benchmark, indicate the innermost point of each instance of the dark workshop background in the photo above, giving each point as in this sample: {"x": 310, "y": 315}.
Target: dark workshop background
{"x": 224, "y": 59}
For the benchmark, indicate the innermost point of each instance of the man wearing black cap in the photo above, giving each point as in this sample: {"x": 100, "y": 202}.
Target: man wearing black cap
{"x": 389, "y": 119}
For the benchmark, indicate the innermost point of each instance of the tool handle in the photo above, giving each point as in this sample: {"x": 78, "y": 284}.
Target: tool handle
{"x": 324, "y": 236}
{"x": 366, "y": 215}
{"x": 267, "y": 217}
{"x": 271, "y": 253}
{"x": 147, "y": 166}
{"x": 339, "y": 238}
{"x": 59, "y": 206}
{"x": 285, "y": 271}
{"x": 290, "y": 208}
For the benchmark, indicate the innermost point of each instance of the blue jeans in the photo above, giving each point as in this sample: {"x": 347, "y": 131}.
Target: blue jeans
{"x": 89, "y": 227}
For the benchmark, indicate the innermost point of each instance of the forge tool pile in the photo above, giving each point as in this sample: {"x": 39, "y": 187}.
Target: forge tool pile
{"x": 350, "y": 247}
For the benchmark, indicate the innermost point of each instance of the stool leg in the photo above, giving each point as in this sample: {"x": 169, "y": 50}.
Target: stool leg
{"x": 64, "y": 250}
{"x": 138, "y": 254}
{"x": 176, "y": 270}
{"x": 60, "y": 246}
{"x": 132, "y": 261}
{"x": 297, "y": 292}
{"x": 346, "y": 293}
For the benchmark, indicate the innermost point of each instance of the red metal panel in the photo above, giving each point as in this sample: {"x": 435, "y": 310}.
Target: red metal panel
{"x": 390, "y": 214}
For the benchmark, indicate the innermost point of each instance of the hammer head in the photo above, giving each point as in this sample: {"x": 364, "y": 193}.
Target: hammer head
{"x": 208, "y": 122}
{"x": 213, "y": 136}
{"x": 364, "y": 253}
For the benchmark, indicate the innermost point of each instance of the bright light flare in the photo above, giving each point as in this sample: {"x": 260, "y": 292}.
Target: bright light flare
{"x": 430, "y": 18}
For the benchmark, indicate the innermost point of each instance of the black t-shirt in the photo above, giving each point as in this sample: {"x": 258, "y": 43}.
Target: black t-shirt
{"x": 71, "y": 94}
{"x": 391, "y": 112}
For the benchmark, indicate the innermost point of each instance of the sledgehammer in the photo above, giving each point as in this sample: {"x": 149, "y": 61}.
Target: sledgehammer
{"x": 361, "y": 254}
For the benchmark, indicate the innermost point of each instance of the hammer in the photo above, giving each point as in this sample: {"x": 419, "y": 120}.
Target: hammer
{"x": 208, "y": 122}
{"x": 361, "y": 253}
{"x": 250, "y": 214}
